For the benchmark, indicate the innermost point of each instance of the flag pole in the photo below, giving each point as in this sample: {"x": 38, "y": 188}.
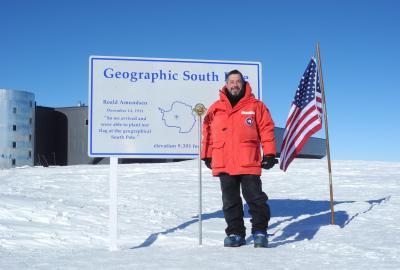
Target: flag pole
{"x": 328, "y": 153}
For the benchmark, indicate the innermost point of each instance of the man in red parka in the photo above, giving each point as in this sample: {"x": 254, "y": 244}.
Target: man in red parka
{"x": 234, "y": 128}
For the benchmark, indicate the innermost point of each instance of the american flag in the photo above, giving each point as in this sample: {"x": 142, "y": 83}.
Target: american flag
{"x": 305, "y": 115}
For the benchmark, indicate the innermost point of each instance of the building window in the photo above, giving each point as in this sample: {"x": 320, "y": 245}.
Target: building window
{"x": 14, "y": 110}
{"x": 14, "y": 127}
{"x": 14, "y": 144}
{"x": 13, "y": 162}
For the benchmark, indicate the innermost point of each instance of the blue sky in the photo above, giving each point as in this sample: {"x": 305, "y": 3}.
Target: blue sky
{"x": 45, "y": 46}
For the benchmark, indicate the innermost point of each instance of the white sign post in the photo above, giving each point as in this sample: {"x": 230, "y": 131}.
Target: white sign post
{"x": 113, "y": 211}
{"x": 143, "y": 108}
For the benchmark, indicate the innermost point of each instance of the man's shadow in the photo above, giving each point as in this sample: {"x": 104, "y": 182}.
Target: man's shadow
{"x": 287, "y": 211}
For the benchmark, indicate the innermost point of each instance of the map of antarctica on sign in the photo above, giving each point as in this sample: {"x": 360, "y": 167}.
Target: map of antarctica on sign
{"x": 143, "y": 107}
{"x": 180, "y": 116}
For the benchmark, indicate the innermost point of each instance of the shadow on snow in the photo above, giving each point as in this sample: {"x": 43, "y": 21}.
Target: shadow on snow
{"x": 297, "y": 228}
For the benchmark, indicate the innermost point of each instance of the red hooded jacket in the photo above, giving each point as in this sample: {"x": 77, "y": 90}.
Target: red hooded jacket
{"x": 232, "y": 136}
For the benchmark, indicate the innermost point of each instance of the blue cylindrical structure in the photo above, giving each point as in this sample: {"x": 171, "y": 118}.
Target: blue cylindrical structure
{"x": 17, "y": 122}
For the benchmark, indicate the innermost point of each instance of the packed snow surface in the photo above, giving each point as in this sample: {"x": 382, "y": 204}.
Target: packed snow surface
{"x": 57, "y": 218}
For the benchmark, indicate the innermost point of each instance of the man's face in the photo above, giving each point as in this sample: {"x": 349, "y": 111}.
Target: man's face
{"x": 234, "y": 84}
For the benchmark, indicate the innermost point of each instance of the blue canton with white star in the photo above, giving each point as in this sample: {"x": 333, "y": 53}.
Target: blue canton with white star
{"x": 306, "y": 91}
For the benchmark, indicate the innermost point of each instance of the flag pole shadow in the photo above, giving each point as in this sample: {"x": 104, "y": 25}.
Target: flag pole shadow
{"x": 298, "y": 228}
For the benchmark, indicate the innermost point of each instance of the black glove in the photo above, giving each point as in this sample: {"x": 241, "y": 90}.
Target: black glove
{"x": 207, "y": 161}
{"x": 268, "y": 162}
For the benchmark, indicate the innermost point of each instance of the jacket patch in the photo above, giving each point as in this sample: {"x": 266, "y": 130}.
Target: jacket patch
{"x": 250, "y": 112}
{"x": 249, "y": 121}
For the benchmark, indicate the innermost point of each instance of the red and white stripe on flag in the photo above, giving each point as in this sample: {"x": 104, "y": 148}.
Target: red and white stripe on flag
{"x": 305, "y": 116}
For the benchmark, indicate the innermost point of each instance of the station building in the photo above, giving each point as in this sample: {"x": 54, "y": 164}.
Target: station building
{"x": 17, "y": 122}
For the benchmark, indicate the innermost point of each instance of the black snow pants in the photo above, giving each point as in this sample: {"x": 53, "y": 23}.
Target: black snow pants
{"x": 255, "y": 198}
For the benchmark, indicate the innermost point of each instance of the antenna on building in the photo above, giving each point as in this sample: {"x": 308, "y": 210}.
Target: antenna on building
{"x": 81, "y": 104}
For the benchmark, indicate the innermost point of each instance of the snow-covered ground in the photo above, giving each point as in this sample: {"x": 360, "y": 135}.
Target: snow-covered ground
{"x": 57, "y": 218}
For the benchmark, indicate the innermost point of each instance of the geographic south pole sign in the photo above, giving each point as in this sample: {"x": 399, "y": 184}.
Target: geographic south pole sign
{"x": 143, "y": 107}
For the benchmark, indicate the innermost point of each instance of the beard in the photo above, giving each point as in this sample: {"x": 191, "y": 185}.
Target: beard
{"x": 235, "y": 91}
{"x": 235, "y": 96}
